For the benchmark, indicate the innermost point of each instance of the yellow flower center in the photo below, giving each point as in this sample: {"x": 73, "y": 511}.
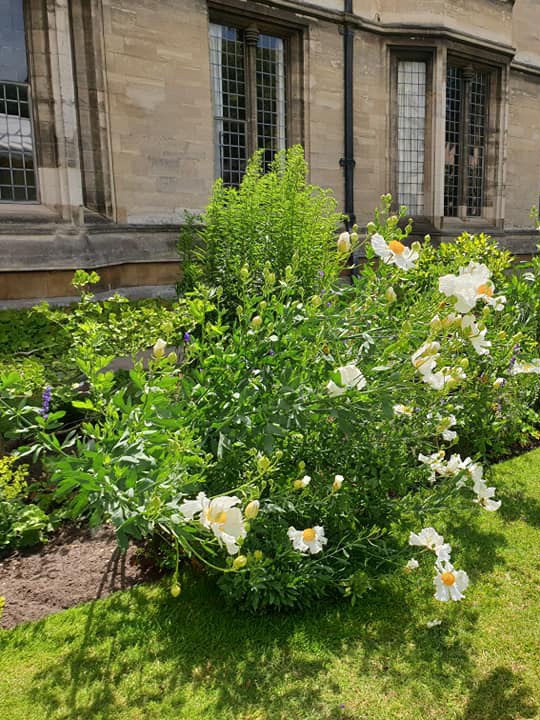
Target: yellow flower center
{"x": 485, "y": 289}
{"x": 309, "y": 535}
{"x": 216, "y": 517}
{"x": 527, "y": 366}
{"x": 396, "y": 247}
{"x": 448, "y": 578}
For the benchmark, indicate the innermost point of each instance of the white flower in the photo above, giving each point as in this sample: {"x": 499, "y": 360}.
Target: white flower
{"x": 303, "y": 483}
{"x": 431, "y": 539}
{"x": 159, "y": 349}
{"x": 444, "y": 427}
{"x": 472, "y": 283}
{"x": 526, "y": 367}
{"x": 449, "y": 582}
{"x": 498, "y": 383}
{"x": 435, "y": 463}
{"x": 394, "y": 252}
{"x": 344, "y": 243}
{"x": 433, "y": 623}
{"x": 338, "y": 482}
{"x": 350, "y": 377}
{"x": 484, "y": 496}
{"x": 412, "y": 564}
{"x": 309, "y": 540}
{"x": 425, "y": 358}
{"x": 406, "y": 410}
{"x": 477, "y": 337}
{"x": 220, "y": 516}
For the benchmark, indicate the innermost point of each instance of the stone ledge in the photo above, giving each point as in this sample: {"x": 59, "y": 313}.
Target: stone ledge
{"x": 25, "y": 248}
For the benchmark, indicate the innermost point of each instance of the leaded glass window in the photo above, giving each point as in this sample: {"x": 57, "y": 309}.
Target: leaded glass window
{"x": 249, "y": 97}
{"x": 411, "y": 122}
{"x": 17, "y": 157}
{"x": 465, "y": 148}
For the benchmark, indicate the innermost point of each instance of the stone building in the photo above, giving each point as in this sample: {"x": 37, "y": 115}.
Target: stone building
{"x": 117, "y": 115}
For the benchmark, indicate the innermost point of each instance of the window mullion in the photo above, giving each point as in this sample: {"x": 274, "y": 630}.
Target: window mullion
{"x": 251, "y": 35}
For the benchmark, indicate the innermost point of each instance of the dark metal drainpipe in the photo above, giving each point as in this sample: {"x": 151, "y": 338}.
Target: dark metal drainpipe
{"x": 347, "y": 162}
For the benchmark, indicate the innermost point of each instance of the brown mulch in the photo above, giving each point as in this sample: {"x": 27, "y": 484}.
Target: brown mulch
{"x": 74, "y": 567}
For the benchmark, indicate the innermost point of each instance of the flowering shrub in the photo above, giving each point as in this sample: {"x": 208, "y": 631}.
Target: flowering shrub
{"x": 309, "y": 430}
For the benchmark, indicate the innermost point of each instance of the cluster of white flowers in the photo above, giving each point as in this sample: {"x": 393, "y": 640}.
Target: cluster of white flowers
{"x": 455, "y": 466}
{"x": 472, "y": 284}
{"x": 425, "y": 360}
{"x": 450, "y": 584}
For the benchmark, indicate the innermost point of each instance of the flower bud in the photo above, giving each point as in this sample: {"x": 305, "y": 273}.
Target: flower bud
{"x": 244, "y": 272}
{"x": 159, "y": 349}
{"x": 338, "y": 482}
{"x": 263, "y": 463}
{"x": 239, "y": 562}
{"x": 390, "y": 295}
{"x": 344, "y": 243}
{"x": 427, "y": 238}
{"x": 354, "y": 235}
{"x": 464, "y": 363}
{"x": 371, "y": 228}
{"x": 258, "y": 555}
{"x": 316, "y": 300}
{"x": 256, "y": 322}
{"x": 252, "y": 510}
{"x": 175, "y": 589}
{"x": 435, "y": 324}
{"x": 416, "y": 247}
{"x": 172, "y": 358}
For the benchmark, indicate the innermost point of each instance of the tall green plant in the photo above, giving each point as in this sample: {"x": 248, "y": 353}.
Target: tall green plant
{"x": 274, "y": 219}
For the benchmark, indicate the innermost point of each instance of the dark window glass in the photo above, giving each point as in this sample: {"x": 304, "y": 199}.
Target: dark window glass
{"x": 13, "y": 64}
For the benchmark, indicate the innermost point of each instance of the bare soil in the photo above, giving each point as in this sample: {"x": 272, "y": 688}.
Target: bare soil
{"x": 74, "y": 567}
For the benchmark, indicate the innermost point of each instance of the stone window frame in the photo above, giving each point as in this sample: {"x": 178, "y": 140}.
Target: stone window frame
{"x": 440, "y": 52}
{"x": 292, "y": 30}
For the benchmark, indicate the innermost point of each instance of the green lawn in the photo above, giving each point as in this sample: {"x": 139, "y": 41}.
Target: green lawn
{"x": 142, "y": 654}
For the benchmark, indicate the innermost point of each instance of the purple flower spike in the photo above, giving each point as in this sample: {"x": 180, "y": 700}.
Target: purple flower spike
{"x": 45, "y": 402}
{"x": 271, "y": 352}
{"x": 187, "y": 337}
{"x": 321, "y": 273}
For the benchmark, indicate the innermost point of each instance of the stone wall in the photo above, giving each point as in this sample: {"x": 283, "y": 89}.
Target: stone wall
{"x": 124, "y": 120}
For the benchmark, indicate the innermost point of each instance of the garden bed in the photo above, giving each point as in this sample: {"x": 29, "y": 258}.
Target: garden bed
{"x": 74, "y": 567}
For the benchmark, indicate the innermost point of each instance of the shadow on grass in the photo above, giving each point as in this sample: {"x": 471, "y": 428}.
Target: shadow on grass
{"x": 501, "y": 696}
{"x": 143, "y": 650}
